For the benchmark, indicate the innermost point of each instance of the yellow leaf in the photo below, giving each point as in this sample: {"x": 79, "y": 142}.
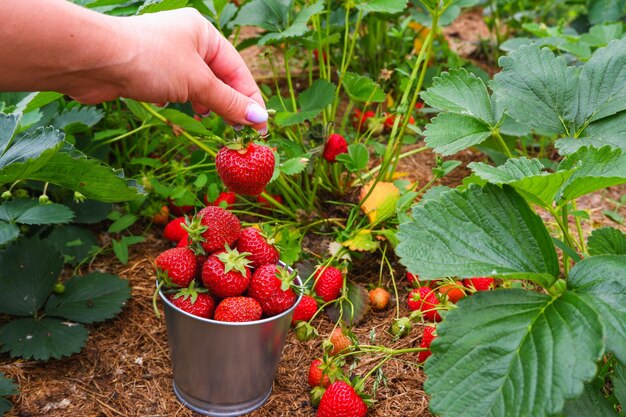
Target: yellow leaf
{"x": 381, "y": 202}
{"x": 362, "y": 242}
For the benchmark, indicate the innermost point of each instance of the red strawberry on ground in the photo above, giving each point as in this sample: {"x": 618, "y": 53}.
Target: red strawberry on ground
{"x": 194, "y": 301}
{"x": 238, "y": 309}
{"x": 177, "y": 266}
{"x": 245, "y": 170}
{"x": 214, "y": 228}
{"x": 391, "y": 119}
{"x": 226, "y": 200}
{"x": 360, "y": 120}
{"x": 425, "y": 300}
{"x": 262, "y": 251}
{"x": 271, "y": 287}
{"x": 413, "y": 279}
{"x": 226, "y": 274}
{"x": 305, "y": 310}
{"x": 161, "y": 217}
{"x": 177, "y": 210}
{"x": 335, "y": 145}
{"x": 328, "y": 283}
{"x": 479, "y": 283}
{"x": 427, "y": 338}
{"x": 321, "y": 372}
{"x": 379, "y": 298}
{"x": 174, "y": 229}
{"x": 341, "y": 400}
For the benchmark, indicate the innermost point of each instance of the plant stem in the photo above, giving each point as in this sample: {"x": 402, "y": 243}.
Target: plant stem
{"x": 496, "y": 134}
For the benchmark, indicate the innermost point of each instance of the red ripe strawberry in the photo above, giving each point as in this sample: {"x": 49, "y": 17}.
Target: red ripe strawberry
{"x": 454, "y": 291}
{"x": 263, "y": 201}
{"x": 261, "y": 251}
{"x": 177, "y": 266}
{"x": 391, "y": 119}
{"x": 479, "y": 283}
{"x": 178, "y": 210}
{"x": 225, "y": 200}
{"x": 316, "y": 54}
{"x": 305, "y": 310}
{"x": 184, "y": 241}
{"x": 425, "y": 300}
{"x": 341, "y": 400}
{"x": 319, "y": 373}
{"x": 427, "y": 338}
{"x": 215, "y": 228}
{"x": 174, "y": 229}
{"x": 328, "y": 283}
{"x": 360, "y": 120}
{"x": 335, "y": 145}
{"x": 162, "y": 217}
{"x": 379, "y": 298}
{"x": 419, "y": 105}
{"x": 226, "y": 274}
{"x": 238, "y": 309}
{"x": 193, "y": 302}
{"x": 270, "y": 286}
{"x": 245, "y": 171}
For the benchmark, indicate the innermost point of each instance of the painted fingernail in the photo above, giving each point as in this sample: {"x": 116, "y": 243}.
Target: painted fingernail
{"x": 237, "y": 127}
{"x": 207, "y": 114}
{"x": 263, "y": 131}
{"x": 256, "y": 114}
{"x": 163, "y": 105}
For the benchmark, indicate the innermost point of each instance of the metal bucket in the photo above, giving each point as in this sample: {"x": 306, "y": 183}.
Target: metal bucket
{"x": 224, "y": 369}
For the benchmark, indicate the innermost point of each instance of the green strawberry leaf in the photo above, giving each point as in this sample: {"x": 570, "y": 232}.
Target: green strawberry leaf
{"x": 42, "y": 339}
{"x": 527, "y": 176}
{"x": 618, "y": 378}
{"x": 8, "y": 126}
{"x": 603, "y": 11}
{"x": 78, "y": 119}
{"x": 592, "y": 169}
{"x": 601, "y": 35}
{"x": 382, "y": 6}
{"x": 532, "y": 353}
{"x": 8, "y": 232}
{"x": 607, "y": 241}
{"x": 356, "y": 159}
{"x": 92, "y": 298}
{"x": 602, "y": 83}
{"x": 153, "y": 6}
{"x": 312, "y": 101}
{"x": 600, "y": 281}
{"x": 30, "y": 269}
{"x": 362, "y": 89}
{"x": 75, "y": 243}
{"x": 462, "y": 92}
{"x": 74, "y": 170}
{"x": 568, "y": 146}
{"x": 295, "y": 165}
{"x": 449, "y": 133}
{"x": 590, "y": 403}
{"x": 31, "y": 212}
{"x": 37, "y": 100}
{"x": 7, "y": 388}
{"x": 488, "y": 231}
{"x": 537, "y": 89}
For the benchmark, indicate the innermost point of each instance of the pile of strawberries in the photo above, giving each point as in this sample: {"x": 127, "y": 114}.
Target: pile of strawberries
{"x": 223, "y": 272}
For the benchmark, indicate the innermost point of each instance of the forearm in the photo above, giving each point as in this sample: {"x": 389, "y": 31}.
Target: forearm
{"x": 46, "y": 42}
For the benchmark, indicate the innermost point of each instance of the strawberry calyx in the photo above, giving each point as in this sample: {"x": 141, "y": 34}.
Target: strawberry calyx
{"x": 358, "y": 385}
{"x": 195, "y": 229}
{"x": 190, "y": 293}
{"x": 234, "y": 260}
{"x": 286, "y": 278}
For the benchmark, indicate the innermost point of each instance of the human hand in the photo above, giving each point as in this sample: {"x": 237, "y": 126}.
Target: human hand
{"x": 179, "y": 56}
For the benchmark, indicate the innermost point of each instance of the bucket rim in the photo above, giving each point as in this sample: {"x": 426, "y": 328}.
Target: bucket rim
{"x": 243, "y": 323}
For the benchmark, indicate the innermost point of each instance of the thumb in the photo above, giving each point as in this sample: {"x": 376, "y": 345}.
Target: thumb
{"x": 237, "y": 108}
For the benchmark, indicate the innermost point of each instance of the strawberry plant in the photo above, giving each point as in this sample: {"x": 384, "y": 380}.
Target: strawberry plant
{"x": 7, "y": 388}
{"x": 533, "y": 350}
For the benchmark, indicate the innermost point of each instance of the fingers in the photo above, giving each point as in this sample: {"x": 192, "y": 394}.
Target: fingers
{"x": 236, "y": 96}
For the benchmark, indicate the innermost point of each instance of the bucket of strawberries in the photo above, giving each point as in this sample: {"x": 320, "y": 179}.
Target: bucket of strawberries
{"x": 228, "y": 304}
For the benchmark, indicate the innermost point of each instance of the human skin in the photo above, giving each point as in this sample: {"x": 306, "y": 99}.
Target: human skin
{"x": 173, "y": 56}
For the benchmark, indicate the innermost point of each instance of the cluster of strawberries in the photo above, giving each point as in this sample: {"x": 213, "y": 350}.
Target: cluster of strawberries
{"x": 428, "y": 299}
{"x": 223, "y": 272}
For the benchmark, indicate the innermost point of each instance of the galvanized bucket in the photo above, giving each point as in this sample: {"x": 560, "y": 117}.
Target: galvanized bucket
{"x": 224, "y": 369}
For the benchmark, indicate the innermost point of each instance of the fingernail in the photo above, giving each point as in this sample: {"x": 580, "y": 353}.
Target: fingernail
{"x": 207, "y": 114}
{"x": 237, "y": 127}
{"x": 256, "y": 114}
{"x": 263, "y": 131}
{"x": 163, "y": 105}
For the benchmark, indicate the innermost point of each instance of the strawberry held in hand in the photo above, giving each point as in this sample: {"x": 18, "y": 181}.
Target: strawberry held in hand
{"x": 226, "y": 274}
{"x": 341, "y": 400}
{"x": 247, "y": 169}
{"x": 335, "y": 145}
